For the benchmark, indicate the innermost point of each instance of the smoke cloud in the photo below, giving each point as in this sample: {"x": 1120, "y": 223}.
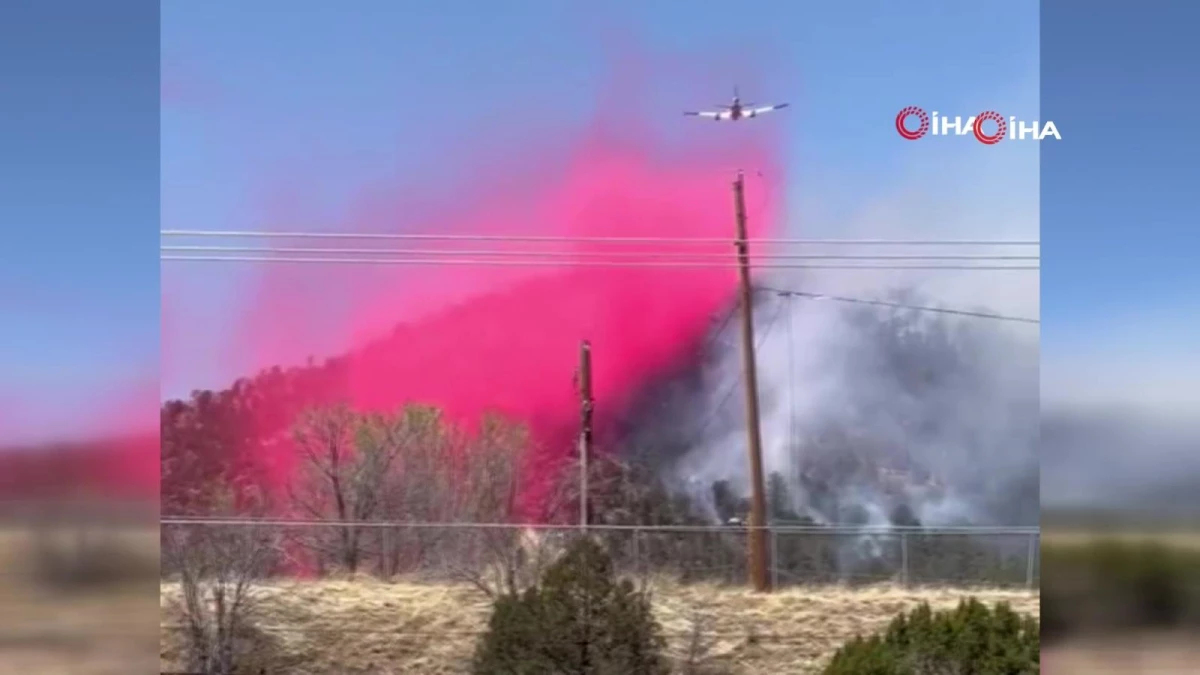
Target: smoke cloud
{"x": 865, "y": 412}
{"x": 475, "y": 338}
{"x": 870, "y": 412}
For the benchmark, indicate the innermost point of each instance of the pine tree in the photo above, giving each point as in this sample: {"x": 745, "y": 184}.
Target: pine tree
{"x": 973, "y": 639}
{"x": 580, "y": 620}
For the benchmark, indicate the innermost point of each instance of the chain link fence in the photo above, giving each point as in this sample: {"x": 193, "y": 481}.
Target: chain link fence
{"x": 495, "y": 556}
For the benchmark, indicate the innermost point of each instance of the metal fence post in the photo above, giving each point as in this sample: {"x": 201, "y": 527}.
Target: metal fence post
{"x": 774, "y": 558}
{"x": 904, "y": 558}
{"x": 385, "y": 541}
{"x": 1030, "y": 561}
{"x": 637, "y": 552}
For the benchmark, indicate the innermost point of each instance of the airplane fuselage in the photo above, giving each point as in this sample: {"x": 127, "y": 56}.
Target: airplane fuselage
{"x": 735, "y": 110}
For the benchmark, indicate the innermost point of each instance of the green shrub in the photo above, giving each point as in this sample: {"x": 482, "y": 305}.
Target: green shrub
{"x": 578, "y": 620}
{"x": 971, "y": 640}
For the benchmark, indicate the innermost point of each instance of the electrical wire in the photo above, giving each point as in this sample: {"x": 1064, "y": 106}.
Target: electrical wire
{"x": 580, "y": 254}
{"x": 791, "y": 368}
{"x": 554, "y": 263}
{"x": 722, "y": 325}
{"x": 712, "y": 415}
{"x": 263, "y": 234}
{"x": 900, "y": 305}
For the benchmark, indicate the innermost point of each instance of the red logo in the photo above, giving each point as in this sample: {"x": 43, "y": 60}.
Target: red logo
{"x": 1001, "y": 127}
{"x": 923, "y": 122}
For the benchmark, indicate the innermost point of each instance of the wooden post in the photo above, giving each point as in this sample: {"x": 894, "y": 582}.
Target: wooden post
{"x": 585, "y": 430}
{"x": 757, "y": 539}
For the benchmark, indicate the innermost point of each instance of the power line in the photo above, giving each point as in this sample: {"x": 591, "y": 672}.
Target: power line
{"x": 554, "y": 263}
{"x": 584, "y": 240}
{"x": 733, "y": 309}
{"x": 791, "y": 370}
{"x": 762, "y": 339}
{"x": 900, "y": 305}
{"x": 580, "y": 254}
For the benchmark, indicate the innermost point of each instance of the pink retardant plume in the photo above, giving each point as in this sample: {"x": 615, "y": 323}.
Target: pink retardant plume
{"x": 516, "y": 349}
{"x": 116, "y": 458}
{"x": 473, "y": 339}
{"x": 128, "y": 467}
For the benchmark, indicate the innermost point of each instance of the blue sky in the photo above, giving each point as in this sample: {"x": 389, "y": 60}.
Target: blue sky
{"x": 274, "y": 89}
{"x": 256, "y": 91}
{"x": 78, "y": 278}
{"x": 1119, "y": 214}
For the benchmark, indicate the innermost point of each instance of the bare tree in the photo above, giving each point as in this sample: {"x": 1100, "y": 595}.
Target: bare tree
{"x": 419, "y": 486}
{"x": 488, "y": 476}
{"x": 216, "y": 567}
{"x": 347, "y": 459}
{"x": 411, "y": 466}
{"x": 491, "y": 471}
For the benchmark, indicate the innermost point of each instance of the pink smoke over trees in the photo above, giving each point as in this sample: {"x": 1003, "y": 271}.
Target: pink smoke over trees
{"x": 470, "y": 339}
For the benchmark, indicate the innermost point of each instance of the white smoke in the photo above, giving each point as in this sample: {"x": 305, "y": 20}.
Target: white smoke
{"x": 949, "y": 403}
{"x": 846, "y": 392}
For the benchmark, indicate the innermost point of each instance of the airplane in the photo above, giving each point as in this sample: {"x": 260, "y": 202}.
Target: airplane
{"x": 736, "y": 110}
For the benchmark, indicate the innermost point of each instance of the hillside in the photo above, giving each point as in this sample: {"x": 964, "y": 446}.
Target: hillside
{"x": 123, "y": 467}
{"x": 491, "y": 352}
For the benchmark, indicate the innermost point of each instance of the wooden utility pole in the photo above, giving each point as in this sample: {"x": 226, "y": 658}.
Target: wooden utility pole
{"x": 585, "y": 429}
{"x": 757, "y": 536}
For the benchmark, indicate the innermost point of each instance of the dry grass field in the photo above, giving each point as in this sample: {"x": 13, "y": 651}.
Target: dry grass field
{"x": 364, "y": 626}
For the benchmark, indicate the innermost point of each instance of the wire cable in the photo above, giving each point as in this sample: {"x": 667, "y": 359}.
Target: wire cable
{"x": 580, "y": 254}
{"x": 581, "y": 240}
{"x": 793, "y": 441}
{"x": 900, "y": 305}
{"x": 581, "y": 263}
{"x": 724, "y": 323}
{"x": 712, "y": 415}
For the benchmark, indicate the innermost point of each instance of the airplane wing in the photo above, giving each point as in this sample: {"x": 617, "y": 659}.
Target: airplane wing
{"x": 764, "y": 109}
{"x": 723, "y": 115}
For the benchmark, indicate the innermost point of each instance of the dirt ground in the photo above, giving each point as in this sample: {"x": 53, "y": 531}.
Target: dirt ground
{"x": 367, "y": 626}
